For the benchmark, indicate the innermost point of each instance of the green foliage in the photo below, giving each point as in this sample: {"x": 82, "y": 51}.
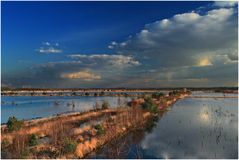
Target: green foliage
{"x": 157, "y": 95}
{"x": 69, "y": 145}
{"x": 149, "y": 105}
{"x": 33, "y": 140}
{"x": 13, "y": 124}
{"x": 174, "y": 93}
{"x": 100, "y": 129}
{"x": 105, "y": 105}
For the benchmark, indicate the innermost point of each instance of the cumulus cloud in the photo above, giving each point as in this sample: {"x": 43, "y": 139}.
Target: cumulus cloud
{"x": 114, "y": 60}
{"x": 184, "y": 37}
{"x": 187, "y": 43}
{"x": 225, "y": 3}
{"x": 198, "y": 48}
{"x": 84, "y": 75}
{"x": 47, "y": 47}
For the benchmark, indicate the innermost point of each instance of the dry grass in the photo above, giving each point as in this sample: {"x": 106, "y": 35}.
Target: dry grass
{"x": 116, "y": 123}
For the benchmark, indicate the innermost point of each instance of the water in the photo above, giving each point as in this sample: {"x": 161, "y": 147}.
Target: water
{"x": 28, "y": 107}
{"x": 194, "y": 128}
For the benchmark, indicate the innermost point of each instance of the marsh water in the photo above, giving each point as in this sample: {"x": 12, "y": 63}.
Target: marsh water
{"x": 29, "y": 107}
{"x": 193, "y": 128}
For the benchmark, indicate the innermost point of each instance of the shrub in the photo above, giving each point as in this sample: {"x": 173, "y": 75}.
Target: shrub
{"x": 149, "y": 105}
{"x": 174, "y": 93}
{"x": 157, "y": 95}
{"x": 100, "y": 129}
{"x": 13, "y": 124}
{"x": 33, "y": 140}
{"x": 105, "y": 105}
{"x": 69, "y": 145}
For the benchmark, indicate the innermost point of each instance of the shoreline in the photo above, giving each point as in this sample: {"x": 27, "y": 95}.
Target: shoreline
{"x": 82, "y": 129}
{"x": 101, "y": 92}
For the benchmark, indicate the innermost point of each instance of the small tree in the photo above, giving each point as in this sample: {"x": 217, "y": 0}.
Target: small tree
{"x": 100, "y": 129}
{"x": 157, "y": 95}
{"x": 174, "y": 93}
{"x": 69, "y": 145}
{"x": 149, "y": 105}
{"x": 13, "y": 124}
{"x": 33, "y": 140}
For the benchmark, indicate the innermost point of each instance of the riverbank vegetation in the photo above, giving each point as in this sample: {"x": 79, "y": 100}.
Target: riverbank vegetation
{"x": 77, "y": 134}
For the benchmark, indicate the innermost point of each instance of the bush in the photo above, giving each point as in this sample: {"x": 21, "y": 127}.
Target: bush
{"x": 157, "y": 95}
{"x": 174, "y": 93}
{"x": 100, "y": 129}
{"x": 105, "y": 105}
{"x": 13, "y": 124}
{"x": 149, "y": 105}
{"x": 33, "y": 140}
{"x": 69, "y": 145}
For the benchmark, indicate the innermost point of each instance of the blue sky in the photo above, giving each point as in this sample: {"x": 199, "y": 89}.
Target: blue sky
{"x": 118, "y": 44}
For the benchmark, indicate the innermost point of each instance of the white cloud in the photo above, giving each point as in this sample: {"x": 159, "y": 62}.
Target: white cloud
{"x": 189, "y": 49}
{"x": 83, "y": 75}
{"x": 182, "y": 39}
{"x": 114, "y": 60}
{"x": 48, "y": 48}
{"x": 113, "y": 43}
{"x": 46, "y": 43}
{"x": 65, "y": 63}
{"x": 225, "y": 3}
{"x": 110, "y": 47}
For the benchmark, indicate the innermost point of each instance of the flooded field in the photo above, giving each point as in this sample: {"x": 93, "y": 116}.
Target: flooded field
{"x": 194, "y": 128}
{"x": 28, "y": 107}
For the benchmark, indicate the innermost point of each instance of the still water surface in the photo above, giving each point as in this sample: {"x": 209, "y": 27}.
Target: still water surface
{"x": 194, "y": 128}
{"x": 28, "y": 107}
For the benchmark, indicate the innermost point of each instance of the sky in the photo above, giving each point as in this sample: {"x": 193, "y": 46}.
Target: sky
{"x": 119, "y": 44}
